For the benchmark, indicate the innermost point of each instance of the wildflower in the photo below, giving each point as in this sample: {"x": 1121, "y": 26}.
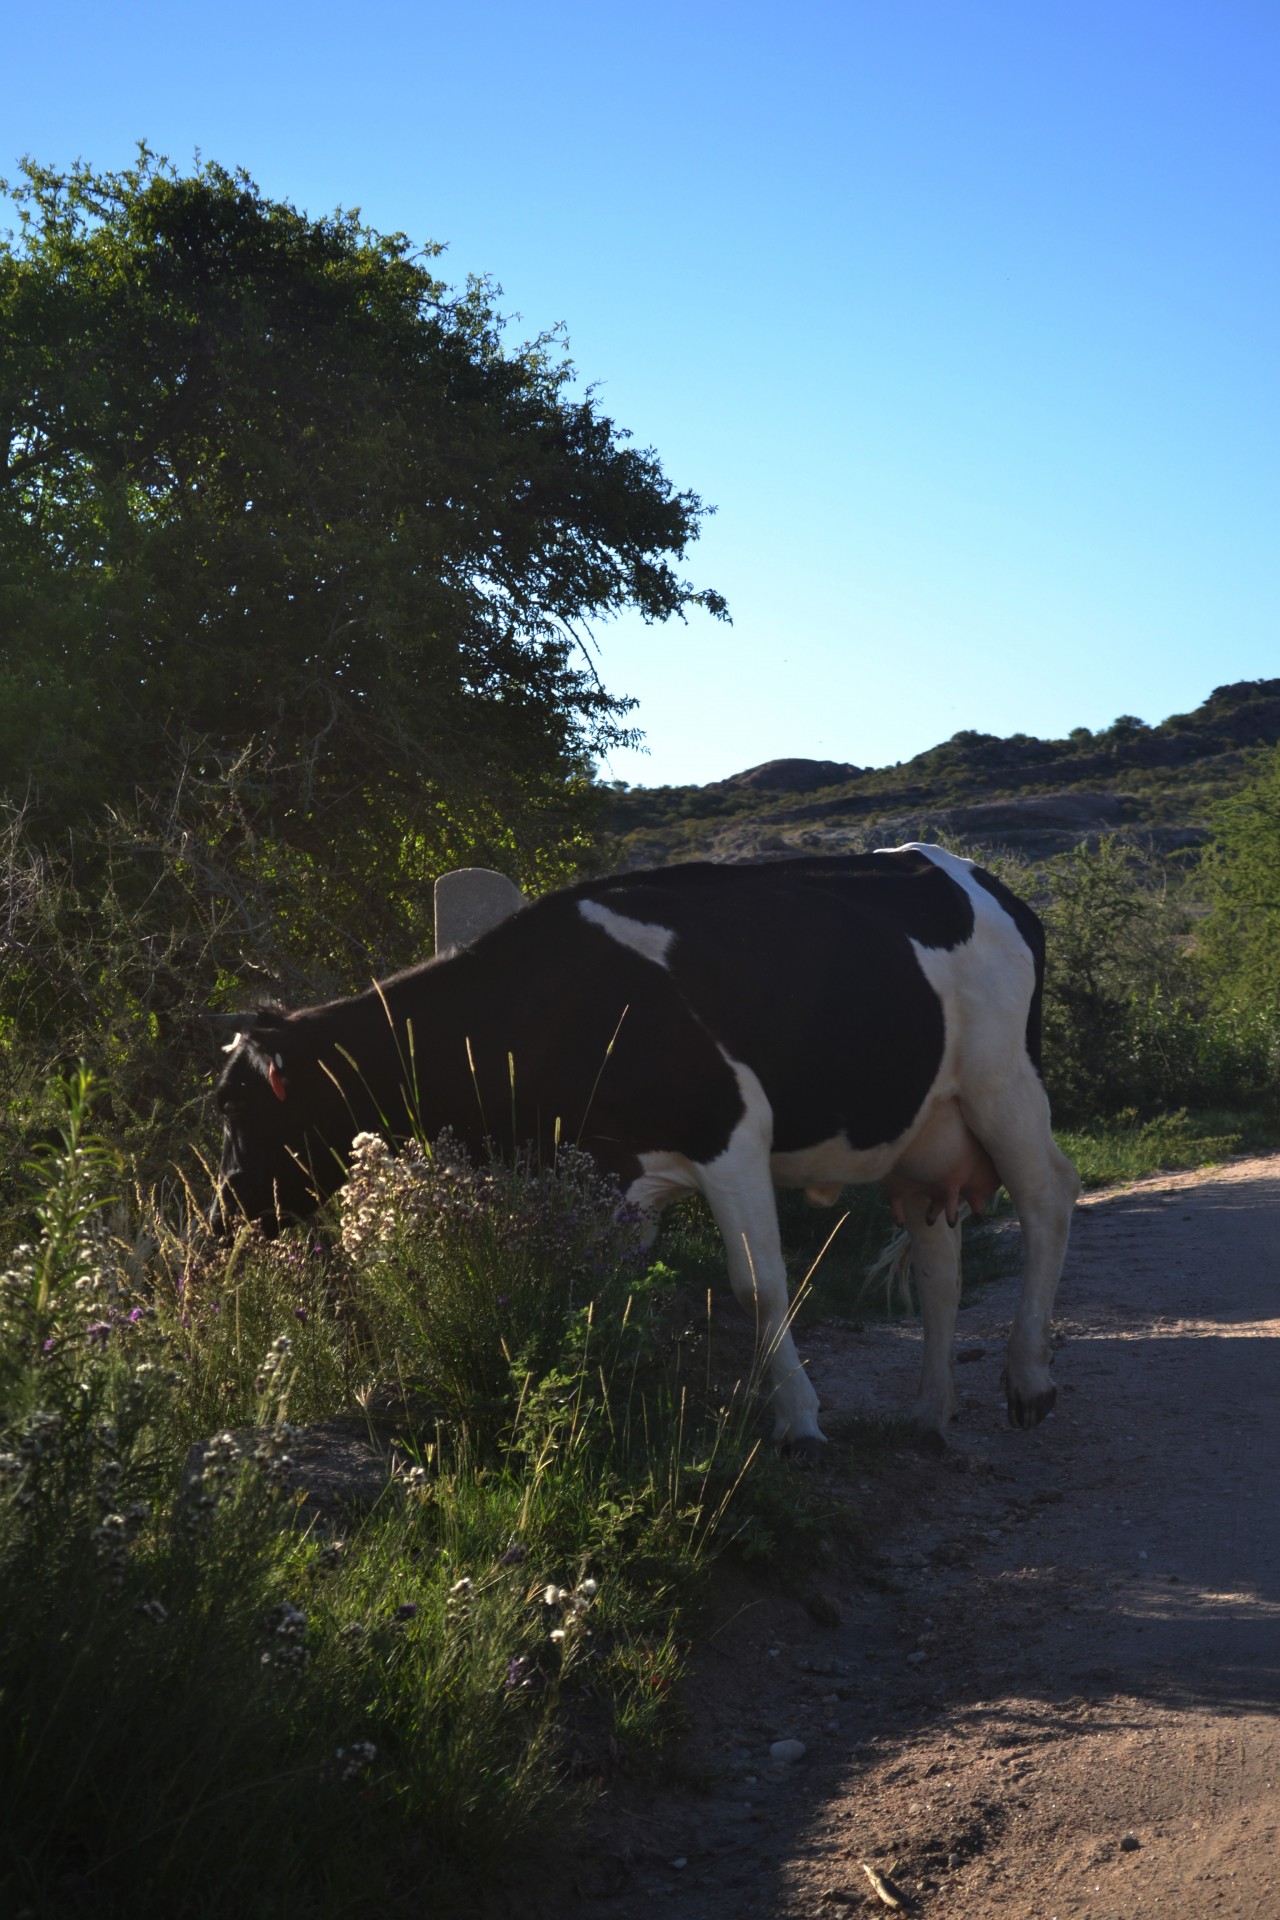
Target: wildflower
{"x": 330, "y": 1557}
{"x": 514, "y": 1555}
{"x": 221, "y": 1456}
{"x": 518, "y": 1675}
{"x": 42, "y": 1437}
{"x": 105, "y": 1488}
{"x": 405, "y": 1611}
{"x": 290, "y": 1626}
{"x": 110, "y": 1543}
{"x": 356, "y": 1759}
{"x": 275, "y": 1362}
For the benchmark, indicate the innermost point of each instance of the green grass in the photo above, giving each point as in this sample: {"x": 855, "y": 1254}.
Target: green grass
{"x": 1111, "y": 1152}
{"x": 211, "y": 1709}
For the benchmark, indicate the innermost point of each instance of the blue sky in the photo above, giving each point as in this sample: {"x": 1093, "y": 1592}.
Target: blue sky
{"x": 965, "y": 316}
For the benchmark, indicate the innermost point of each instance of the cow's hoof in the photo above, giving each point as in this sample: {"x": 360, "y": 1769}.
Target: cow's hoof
{"x": 807, "y": 1450}
{"x": 931, "y": 1443}
{"x": 1029, "y": 1409}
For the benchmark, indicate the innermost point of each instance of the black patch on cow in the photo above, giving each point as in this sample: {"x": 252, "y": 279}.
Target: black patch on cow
{"x": 1029, "y": 926}
{"x": 803, "y": 970}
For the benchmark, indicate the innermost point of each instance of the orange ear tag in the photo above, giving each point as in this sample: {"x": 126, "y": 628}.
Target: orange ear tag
{"x": 276, "y": 1081}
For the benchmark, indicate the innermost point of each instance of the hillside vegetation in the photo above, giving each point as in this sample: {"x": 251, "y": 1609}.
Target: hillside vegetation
{"x": 1151, "y": 784}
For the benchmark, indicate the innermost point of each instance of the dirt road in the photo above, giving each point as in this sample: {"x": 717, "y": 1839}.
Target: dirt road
{"x": 1060, "y": 1700}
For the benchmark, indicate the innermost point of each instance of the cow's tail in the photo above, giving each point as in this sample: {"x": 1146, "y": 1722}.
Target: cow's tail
{"x": 892, "y": 1270}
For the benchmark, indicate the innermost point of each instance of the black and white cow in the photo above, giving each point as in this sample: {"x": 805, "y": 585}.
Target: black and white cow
{"x": 721, "y": 1030}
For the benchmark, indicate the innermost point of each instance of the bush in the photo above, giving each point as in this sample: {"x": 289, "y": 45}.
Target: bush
{"x": 1130, "y": 1019}
{"x": 1239, "y": 940}
{"x": 210, "y": 1708}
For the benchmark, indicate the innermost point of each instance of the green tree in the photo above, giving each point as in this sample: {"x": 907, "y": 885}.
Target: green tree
{"x": 1239, "y": 939}
{"x": 279, "y": 509}
{"x": 1117, "y": 1021}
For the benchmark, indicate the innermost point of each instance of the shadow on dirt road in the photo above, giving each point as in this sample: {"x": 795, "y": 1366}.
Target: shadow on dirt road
{"x": 1056, "y": 1692}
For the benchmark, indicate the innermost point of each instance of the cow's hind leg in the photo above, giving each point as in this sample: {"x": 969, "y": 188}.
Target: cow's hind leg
{"x": 1043, "y": 1185}
{"x": 935, "y": 1263}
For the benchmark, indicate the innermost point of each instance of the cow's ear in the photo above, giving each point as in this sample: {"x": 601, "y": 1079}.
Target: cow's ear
{"x": 275, "y": 1077}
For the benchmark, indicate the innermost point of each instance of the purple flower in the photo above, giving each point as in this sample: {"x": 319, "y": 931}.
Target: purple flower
{"x": 301, "y": 1314}
{"x": 99, "y": 1330}
{"x": 136, "y": 1315}
{"x": 517, "y": 1676}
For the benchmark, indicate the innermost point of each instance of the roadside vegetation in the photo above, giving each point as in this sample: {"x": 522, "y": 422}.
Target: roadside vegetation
{"x": 222, "y": 1698}
{"x": 224, "y": 1691}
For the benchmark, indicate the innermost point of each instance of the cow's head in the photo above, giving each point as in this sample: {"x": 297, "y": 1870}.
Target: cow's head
{"x": 278, "y": 1121}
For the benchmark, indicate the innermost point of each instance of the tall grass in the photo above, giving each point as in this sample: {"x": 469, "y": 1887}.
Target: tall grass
{"x": 215, "y": 1703}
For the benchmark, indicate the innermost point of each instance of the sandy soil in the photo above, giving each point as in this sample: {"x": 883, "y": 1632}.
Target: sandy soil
{"x": 1054, "y": 1695}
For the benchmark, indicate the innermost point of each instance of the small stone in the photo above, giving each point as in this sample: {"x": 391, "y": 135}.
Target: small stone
{"x": 787, "y": 1751}
{"x": 914, "y": 1659}
{"x": 681, "y": 1862}
{"x": 823, "y": 1608}
{"x": 1130, "y": 1843}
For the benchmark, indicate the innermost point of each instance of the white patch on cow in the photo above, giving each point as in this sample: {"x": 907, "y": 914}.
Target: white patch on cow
{"x": 642, "y": 936}
{"x": 834, "y": 1163}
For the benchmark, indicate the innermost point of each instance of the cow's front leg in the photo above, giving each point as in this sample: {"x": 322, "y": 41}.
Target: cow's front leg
{"x": 935, "y": 1262}
{"x": 740, "y": 1195}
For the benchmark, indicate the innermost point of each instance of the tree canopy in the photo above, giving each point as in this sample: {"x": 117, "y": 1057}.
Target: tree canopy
{"x": 274, "y": 495}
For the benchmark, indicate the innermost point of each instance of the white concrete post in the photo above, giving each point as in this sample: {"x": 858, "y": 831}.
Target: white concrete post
{"x": 471, "y": 900}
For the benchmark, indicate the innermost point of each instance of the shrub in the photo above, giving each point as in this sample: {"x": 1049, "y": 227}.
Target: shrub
{"x": 210, "y": 1708}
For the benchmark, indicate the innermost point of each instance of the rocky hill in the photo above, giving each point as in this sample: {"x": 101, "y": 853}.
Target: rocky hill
{"x": 1034, "y": 797}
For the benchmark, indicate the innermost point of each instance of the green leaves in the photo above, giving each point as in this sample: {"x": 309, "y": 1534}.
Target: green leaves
{"x": 267, "y": 482}
{"x": 1240, "y": 873}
